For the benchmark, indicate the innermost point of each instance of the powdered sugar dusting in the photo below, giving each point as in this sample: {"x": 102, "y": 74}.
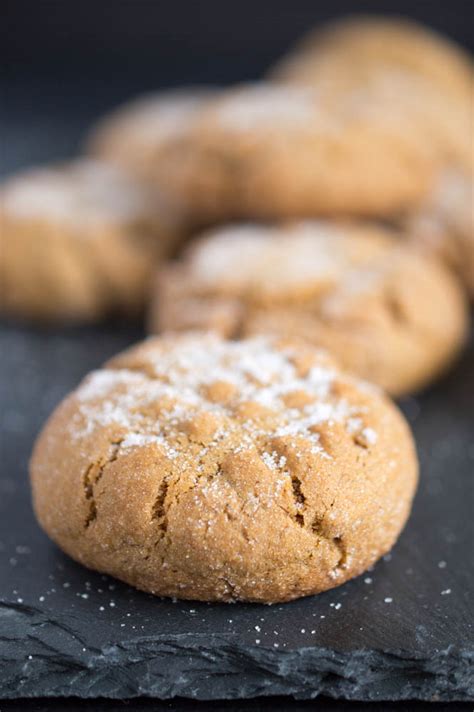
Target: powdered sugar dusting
{"x": 268, "y": 257}
{"x": 100, "y": 383}
{"x": 172, "y": 389}
{"x": 81, "y": 192}
{"x": 370, "y": 435}
{"x": 156, "y": 118}
{"x": 264, "y": 106}
{"x": 301, "y": 255}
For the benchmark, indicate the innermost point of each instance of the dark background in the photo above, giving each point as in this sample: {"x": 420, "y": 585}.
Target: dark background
{"x": 65, "y": 61}
{"x": 204, "y": 40}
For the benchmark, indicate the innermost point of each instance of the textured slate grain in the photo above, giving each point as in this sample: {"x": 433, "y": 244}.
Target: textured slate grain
{"x": 402, "y": 631}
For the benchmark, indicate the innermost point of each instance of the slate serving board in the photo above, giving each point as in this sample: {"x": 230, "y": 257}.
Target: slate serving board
{"x": 402, "y": 631}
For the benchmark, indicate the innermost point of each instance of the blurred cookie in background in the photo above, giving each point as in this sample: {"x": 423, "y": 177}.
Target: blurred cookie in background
{"x": 79, "y": 241}
{"x": 133, "y": 134}
{"x": 268, "y": 151}
{"x": 431, "y": 80}
{"x": 398, "y": 64}
{"x": 358, "y": 45}
{"x": 386, "y": 312}
{"x": 446, "y": 125}
{"x": 444, "y": 225}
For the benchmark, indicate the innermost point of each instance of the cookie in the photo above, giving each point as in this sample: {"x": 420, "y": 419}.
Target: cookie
{"x": 386, "y": 312}
{"x": 206, "y": 469}
{"x": 426, "y": 75}
{"x": 444, "y": 225}
{"x": 355, "y": 46}
{"x": 268, "y": 151}
{"x": 398, "y": 63}
{"x": 133, "y": 134}
{"x": 79, "y": 241}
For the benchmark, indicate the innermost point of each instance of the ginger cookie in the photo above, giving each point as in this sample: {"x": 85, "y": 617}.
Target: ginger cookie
{"x": 79, "y": 241}
{"x": 385, "y": 311}
{"x": 269, "y": 151}
{"x": 215, "y": 470}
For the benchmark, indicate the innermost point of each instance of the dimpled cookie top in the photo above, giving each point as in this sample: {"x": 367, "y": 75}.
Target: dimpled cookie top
{"x": 84, "y": 192}
{"x": 246, "y": 393}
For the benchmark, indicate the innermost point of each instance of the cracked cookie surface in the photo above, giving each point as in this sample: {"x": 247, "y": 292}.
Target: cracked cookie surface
{"x": 79, "y": 241}
{"x": 195, "y": 467}
{"x": 384, "y": 311}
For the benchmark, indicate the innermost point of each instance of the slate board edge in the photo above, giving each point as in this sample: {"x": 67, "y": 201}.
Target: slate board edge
{"x": 212, "y": 667}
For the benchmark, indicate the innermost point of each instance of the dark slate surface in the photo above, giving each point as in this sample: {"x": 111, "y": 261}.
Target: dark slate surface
{"x": 260, "y": 704}
{"x": 402, "y": 631}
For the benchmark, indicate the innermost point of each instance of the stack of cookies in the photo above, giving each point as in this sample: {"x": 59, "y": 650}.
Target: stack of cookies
{"x": 347, "y": 179}
{"x": 302, "y": 241}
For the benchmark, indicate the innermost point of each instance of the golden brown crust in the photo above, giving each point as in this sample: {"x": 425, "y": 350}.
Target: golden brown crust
{"x": 211, "y": 470}
{"x": 79, "y": 242}
{"x": 266, "y": 151}
{"x": 386, "y": 312}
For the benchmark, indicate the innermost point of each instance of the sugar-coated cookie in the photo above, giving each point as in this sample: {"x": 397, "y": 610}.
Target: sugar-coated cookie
{"x": 271, "y": 151}
{"x": 386, "y": 312}
{"x": 79, "y": 241}
{"x": 221, "y": 470}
